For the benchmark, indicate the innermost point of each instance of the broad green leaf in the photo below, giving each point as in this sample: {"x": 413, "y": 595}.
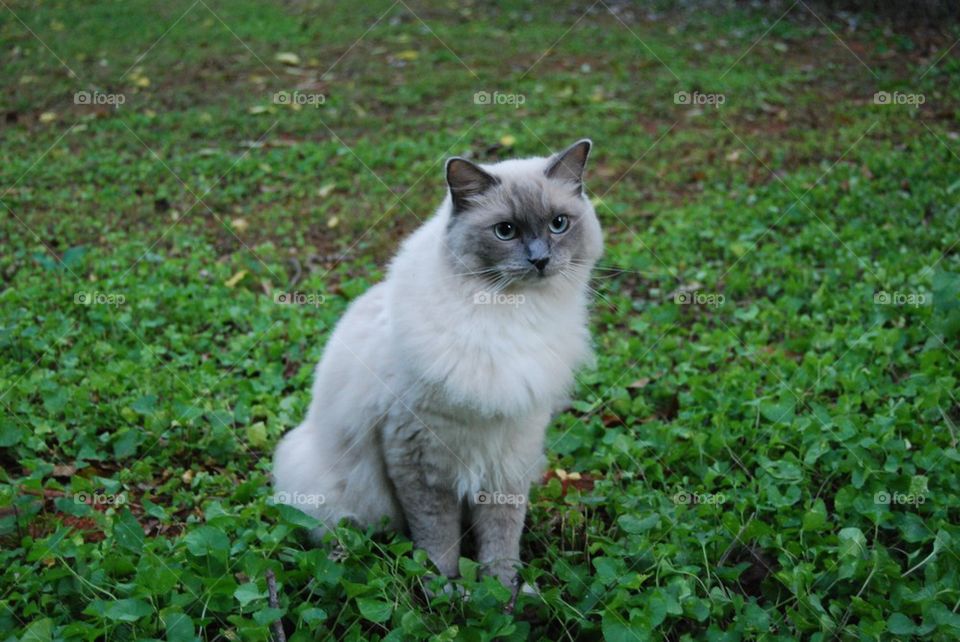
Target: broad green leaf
{"x": 374, "y": 610}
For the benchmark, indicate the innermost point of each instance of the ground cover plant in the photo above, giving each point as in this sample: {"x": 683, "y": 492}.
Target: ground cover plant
{"x": 192, "y": 193}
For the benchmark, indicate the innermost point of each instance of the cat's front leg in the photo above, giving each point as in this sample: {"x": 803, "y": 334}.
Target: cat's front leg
{"x": 430, "y": 504}
{"x": 497, "y": 519}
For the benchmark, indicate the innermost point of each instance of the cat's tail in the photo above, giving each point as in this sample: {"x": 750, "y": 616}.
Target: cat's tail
{"x": 331, "y": 484}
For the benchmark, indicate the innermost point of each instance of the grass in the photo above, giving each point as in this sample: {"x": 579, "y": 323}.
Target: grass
{"x": 766, "y": 449}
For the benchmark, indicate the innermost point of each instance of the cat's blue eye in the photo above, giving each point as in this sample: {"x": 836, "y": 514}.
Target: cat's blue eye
{"x": 559, "y": 224}
{"x": 505, "y": 231}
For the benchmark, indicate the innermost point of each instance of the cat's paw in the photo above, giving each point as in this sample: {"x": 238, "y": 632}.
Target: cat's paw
{"x": 503, "y": 570}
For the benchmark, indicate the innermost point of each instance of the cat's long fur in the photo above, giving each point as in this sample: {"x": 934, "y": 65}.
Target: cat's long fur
{"x": 428, "y": 393}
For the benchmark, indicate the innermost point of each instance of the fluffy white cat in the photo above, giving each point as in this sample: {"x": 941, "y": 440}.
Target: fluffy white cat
{"x": 434, "y": 392}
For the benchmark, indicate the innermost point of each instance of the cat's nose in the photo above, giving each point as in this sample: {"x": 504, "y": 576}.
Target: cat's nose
{"x": 540, "y": 264}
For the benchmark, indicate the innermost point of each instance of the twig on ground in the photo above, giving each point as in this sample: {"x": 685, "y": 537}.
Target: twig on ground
{"x": 299, "y": 271}
{"x": 274, "y": 604}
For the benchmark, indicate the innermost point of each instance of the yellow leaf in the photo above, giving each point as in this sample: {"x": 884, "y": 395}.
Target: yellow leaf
{"x": 142, "y": 81}
{"x": 240, "y": 224}
{"x": 408, "y": 54}
{"x": 48, "y": 117}
{"x": 236, "y": 278}
{"x": 508, "y": 140}
{"x": 332, "y": 222}
{"x": 287, "y": 58}
{"x": 56, "y": 25}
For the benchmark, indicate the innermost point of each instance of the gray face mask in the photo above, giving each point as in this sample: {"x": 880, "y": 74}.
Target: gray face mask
{"x": 521, "y": 227}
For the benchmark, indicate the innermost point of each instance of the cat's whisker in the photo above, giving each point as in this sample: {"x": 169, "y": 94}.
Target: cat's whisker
{"x": 597, "y": 293}
{"x": 489, "y": 270}
{"x": 502, "y": 283}
{"x": 616, "y": 269}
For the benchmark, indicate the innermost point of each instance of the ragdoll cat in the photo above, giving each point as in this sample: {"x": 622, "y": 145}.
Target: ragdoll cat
{"x": 435, "y": 389}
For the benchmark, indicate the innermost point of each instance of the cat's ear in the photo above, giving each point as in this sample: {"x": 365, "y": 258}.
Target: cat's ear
{"x": 568, "y": 165}
{"x": 466, "y": 180}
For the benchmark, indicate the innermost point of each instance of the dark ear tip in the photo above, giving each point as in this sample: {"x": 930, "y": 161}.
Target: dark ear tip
{"x": 584, "y": 141}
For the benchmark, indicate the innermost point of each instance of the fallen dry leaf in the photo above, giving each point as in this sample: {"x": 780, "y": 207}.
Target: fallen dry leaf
{"x": 287, "y": 58}
{"x": 236, "y": 278}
